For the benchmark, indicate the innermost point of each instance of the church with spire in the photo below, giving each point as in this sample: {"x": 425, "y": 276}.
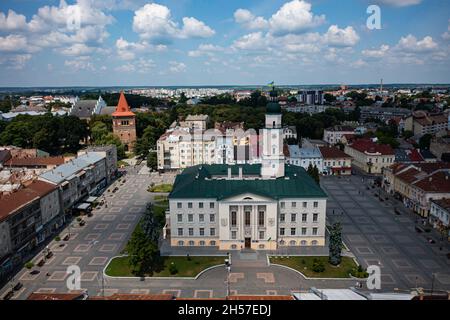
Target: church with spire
{"x": 263, "y": 206}
{"x": 124, "y": 123}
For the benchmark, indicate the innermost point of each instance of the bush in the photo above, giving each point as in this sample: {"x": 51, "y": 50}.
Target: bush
{"x": 318, "y": 266}
{"x": 359, "y": 272}
{"x": 79, "y": 219}
{"x": 29, "y": 265}
{"x": 57, "y": 238}
{"x": 173, "y": 269}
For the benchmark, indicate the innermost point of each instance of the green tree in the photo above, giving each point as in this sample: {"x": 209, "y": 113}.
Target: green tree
{"x": 144, "y": 254}
{"x": 425, "y": 141}
{"x": 335, "y": 244}
{"x": 152, "y": 160}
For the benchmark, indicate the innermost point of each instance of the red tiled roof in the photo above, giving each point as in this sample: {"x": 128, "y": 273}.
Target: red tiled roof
{"x": 34, "y": 161}
{"x": 410, "y": 175}
{"x": 147, "y": 297}
{"x": 10, "y": 203}
{"x": 333, "y": 153}
{"x": 365, "y": 145}
{"x": 55, "y": 296}
{"x": 415, "y": 155}
{"x": 443, "y": 203}
{"x": 438, "y": 182}
{"x": 122, "y": 109}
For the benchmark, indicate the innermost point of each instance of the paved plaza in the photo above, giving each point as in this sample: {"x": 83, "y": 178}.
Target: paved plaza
{"x": 376, "y": 235}
{"x": 372, "y": 232}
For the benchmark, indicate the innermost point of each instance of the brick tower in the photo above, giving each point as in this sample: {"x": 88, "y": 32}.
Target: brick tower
{"x": 124, "y": 123}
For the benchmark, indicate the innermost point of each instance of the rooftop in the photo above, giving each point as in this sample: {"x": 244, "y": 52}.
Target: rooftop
{"x": 368, "y": 146}
{"x": 210, "y": 181}
{"x": 333, "y": 153}
{"x": 443, "y": 203}
{"x": 303, "y": 153}
{"x": 122, "y": 109}
{"x": 34, "y": 161}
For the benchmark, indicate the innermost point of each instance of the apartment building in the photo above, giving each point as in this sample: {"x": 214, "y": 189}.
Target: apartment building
{"x": 304, "y": 157}
{"x": 440, "y": 215}
{"x": 334, "y": 134}
{"x": 369, "y": 156}
{"x": 335, "y": 161}
{"x": 421, "y": 123}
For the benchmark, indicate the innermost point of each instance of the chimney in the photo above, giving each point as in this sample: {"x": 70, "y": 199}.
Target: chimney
{"x": 229, "y": 173}
{"x": 240, "y": 173}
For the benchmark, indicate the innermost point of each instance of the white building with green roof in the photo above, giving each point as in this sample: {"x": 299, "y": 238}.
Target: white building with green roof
{"x": 262, "y": 206}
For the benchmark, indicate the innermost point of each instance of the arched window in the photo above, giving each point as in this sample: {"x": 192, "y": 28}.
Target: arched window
{"x": 314, "y": 243}
{"x": 292, "y": 243}
{"x": 191, "y": 242}
{"x": 303, "y": 243}
{"x": 181, "y": 243}
{"x": 212, "y": 243}
{"x": 202, "y": 243}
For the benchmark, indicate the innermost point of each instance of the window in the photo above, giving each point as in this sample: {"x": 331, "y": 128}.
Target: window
{"x": 180, "y": 232}
{"x": 282, "y": 217}
{"x": 304, "y": 217}
{"x": 202, "y": 231}
{"x": 212, "y": 232}
{"x": 233, "y": 218}
{"x": 247, "y": 218}
{"x": 200, "y": 205}
{"x": 212, "y": 243}
{"x": 261, "y": 235}
{"x": 292, "y": 231}
{"x": 303, "y": 231}
{"x": 305, "y": 204}
{"x": 261, "y": 218}
{"x": 190, "y": 205}
{"x": 181, "y": 243}
{"x": 233, "y": 235}
{"x": 292, "y": 243}
{"x": 212, "y": 217}
{"x": 201, "y": 217}
{"x": 179, "y": 217}
{"x": 179, "y": 205}
{"x": 303, "y": 243}
{"x": 315, "y": 217}
{"x": 293, "y": 217}
{"x": 191, "y": 243}
{"x": 191, "y": 232}
{"x": 261, "y": 246}
{"x": 233, "y": 246}
{"x": 211, "y": 205}
{"x": 316, "y": 204}
{"x": 314, "y": 243}
{"x": 202, "y": 243}
{"x": 294, "y": 204}
{"x": 282, "y": 205}
{"x": 314, "y": 231}
{"x": 190, "y": 217}
{"x": 282, "y": 231}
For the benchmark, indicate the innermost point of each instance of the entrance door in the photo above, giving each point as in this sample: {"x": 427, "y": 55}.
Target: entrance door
{"x": 248, "y": 243}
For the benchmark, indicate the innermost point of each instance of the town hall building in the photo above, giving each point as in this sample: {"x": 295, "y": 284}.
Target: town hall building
{"x": 261, "y": 206}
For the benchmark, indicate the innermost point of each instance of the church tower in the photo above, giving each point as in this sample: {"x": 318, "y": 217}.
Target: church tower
{"x": 124, "y": 123}
{"x": 272, "y": 153}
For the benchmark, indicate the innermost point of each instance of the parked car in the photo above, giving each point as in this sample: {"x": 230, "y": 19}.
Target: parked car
{"x": 18, "y": 286}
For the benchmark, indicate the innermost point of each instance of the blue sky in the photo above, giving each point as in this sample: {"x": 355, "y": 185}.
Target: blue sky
{"x": 218, "y": 42}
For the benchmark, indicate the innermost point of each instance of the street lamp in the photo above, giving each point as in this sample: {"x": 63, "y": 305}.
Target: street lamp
{"x": 228, "y": 268}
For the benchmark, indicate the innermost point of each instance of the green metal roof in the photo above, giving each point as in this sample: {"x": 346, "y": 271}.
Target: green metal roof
{"x": 273, "y": 108}
{"x": 196, "y": 182}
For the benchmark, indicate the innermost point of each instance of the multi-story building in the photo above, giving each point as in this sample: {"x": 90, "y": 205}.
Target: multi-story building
{"x": 440, "y": 215}
{"x": 421, "y": 123}
{"x": 335, "y": 161}
{"x": 310, "y": 97}
{"x": 304, "y": 157}
{"x": 440, "y": 147}
{"x": 418, "y": 183}
{"x": 334, "y": 135}
{"x": 369, "y": 156}
{"x": 86, "y": 109}
{"x": 262, "y": 206}
{"x": 109, "y": 152}
{"x": 124, "y": 123}
{"x": 383, "y": 114}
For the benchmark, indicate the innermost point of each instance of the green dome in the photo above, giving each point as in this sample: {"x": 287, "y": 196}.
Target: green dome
{"x": 273, "y": 108}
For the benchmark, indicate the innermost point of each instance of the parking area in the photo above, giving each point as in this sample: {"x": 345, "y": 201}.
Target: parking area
{"x": 377, "y": 235}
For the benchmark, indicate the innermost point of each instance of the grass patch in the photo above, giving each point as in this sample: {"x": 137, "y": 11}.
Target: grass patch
{"x": 121, "y": 163}
{"x": 165, "y": 188}
{"x": 119, "y": 267}
{"x": 305, "y": 266}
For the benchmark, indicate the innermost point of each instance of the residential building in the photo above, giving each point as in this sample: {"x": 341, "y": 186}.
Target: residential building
{"x": 196, "y": 122}
{"x": 440, "y": 147}
{"x": 304, "y": 157}
{"x": 369, "y": 156}
{"x": 335, "y": 161}
{"x": 109, "y": 152}
{"x": 34, "y": 162}
{"x": 310, "y": 97}
{"x": 383, "y": 114}
{"x": 124, "y": 123}
{"x": 334, "y": 134}
{"x": 440, "y": 215}
{"x": 421, "y": 123}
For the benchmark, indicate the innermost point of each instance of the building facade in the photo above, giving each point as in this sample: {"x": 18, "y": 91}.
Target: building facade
{"x": 334, "y": 135}
{"x": 335, "y": 161}
{"x": 370, "y": 156}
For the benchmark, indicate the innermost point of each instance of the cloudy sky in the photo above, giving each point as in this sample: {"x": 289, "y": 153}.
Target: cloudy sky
{"x": 218, "y": 42}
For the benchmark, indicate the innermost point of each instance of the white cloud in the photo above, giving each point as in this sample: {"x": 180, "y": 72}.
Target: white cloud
{"x": 80, "y": 63}
{"x": 154, "y": 22}
{"x": 205, "y": 50}
{"x": 341, "y": 37}
{"x": 252, "y": 41}
{"x": 446, "y": 35}
{"x": 141, "y": 66}
{"x": 193, "y": 28}
{"x": 78, "y": 49}
{"x": 294, "y": 17}
{"x": 250, "y": 21}
{"x": 377, "y": 53}
{"x": 400, "y": 3}
{"x": 128, "y": 50}
{"x": 177, "y": 67}
{"x": 359, "y": 64}
{"x": 12, "y": 21}
{"x": 13, "y": 43}
{"x": 16, "y": 62}
{"x": 411, "y": 44}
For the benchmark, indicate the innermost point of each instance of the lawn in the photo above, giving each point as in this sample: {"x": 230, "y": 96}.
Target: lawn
{"x": 165, "y": 188}
{"x": 119, "y": 267}
{"x": 304, "y": 265}
{"x": 161, "y": 201}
